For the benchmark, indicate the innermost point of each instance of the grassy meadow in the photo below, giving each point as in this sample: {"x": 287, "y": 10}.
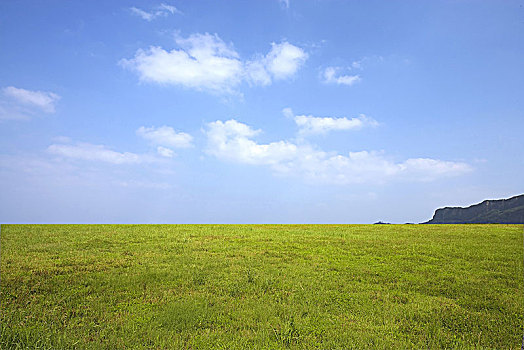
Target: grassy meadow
{"x": 261, "y": 286}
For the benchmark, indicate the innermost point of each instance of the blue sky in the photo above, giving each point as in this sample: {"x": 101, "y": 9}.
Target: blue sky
{"x": 258, "y": 111}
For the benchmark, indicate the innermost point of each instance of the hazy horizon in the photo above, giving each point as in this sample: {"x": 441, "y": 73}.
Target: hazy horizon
{"x": 258, "y": 112}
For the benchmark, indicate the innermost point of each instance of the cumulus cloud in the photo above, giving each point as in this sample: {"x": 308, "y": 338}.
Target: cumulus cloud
{"x": 100, "y": 153}
{"x": 203, "y": 62}
{"x": 206, "y": 62}
{"x": 282, "y": 62}
{"x": 331, "y": 76}
{"x": 233, "y": 141}
{"x": 165, "y": 136}
{"x": 17, "y": 103}
{"x": 162, "y": 10}
{"x": 257, "y": 73}
{"x": 310, "y": 125}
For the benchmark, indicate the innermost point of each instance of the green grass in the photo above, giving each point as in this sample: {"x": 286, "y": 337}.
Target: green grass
{"x": 261, "y": 286}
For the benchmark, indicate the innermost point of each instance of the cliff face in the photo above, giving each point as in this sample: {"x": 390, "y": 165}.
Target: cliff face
{"x": 501, "y": 211}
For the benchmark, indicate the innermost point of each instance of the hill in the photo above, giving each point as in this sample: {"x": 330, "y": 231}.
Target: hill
{"x": 500, "y": 211}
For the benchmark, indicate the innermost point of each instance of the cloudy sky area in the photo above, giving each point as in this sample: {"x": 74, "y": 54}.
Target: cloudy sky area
{"x": 258, "y": 111}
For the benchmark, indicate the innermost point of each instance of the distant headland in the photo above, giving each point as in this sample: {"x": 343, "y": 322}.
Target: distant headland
{"x": 498, "y": 211}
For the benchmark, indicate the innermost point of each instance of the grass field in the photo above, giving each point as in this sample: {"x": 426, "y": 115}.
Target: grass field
{"x": 261, "y": 286}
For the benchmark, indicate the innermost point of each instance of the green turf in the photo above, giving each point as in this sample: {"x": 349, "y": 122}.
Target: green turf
{"x": 261, "y": 286}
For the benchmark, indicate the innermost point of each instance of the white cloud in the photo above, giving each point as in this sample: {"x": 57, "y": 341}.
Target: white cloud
{"x": 100, "y": 153}
{"x": 230, "y": 140}
{"x": 233, "y": 141}
{"x": 331, "y": 76}
{"x": 288, "y": 113}
{"x": 148, "y": 16}
{"x": 357, "y": 64}
{"x": 371, "y": 166}
{"x": 206, "y": 62}
{"x": 284, "y": 60}
{"x": 169, "y": 8}
{"x": 162, "y": 10}
{"x": 257, "y": 73}
{"x": 165, "y": 152}
{"x": 162, "y": 137}
{"x": 165, "y": 136}
{"x": 429, "y": 169}
{"x": 41, "y": 99}
{"x": 310, "y": 125}
{"x": 17, "y": 103}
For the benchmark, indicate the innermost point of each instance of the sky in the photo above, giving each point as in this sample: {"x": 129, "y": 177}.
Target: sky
{"x": 267, "y": 111}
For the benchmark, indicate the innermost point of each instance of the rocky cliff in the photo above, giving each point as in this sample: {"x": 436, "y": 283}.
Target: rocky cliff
{"x": 500, "y": 211}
